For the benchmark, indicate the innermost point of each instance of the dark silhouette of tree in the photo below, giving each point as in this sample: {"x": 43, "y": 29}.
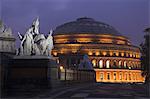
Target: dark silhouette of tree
{"x": 145, "y": 55}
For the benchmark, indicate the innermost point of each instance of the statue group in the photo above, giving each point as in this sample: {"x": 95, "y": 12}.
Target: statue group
{"x": 35, "y": 43}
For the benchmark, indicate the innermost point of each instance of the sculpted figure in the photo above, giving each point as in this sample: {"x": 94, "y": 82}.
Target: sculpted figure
{"x": 27, "y": 42}
{"x": 34, "y": 43}
{"x": 2, "y": 28}
{"x": 5, "y": 31}
{"x": 44, "y": 46}
{"x": 35, "y": 26}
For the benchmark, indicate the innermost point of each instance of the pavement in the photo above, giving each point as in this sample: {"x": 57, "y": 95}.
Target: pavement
{"x": 91, "y": 91}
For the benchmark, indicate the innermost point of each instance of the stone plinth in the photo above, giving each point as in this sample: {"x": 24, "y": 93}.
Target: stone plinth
{"x": 33, "y": 70}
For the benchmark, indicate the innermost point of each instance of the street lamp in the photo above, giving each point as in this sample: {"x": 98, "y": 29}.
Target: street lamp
{"x": 61, "y": 67}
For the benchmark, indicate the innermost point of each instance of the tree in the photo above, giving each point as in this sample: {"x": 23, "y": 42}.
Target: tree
{"x": 145, "y": 54}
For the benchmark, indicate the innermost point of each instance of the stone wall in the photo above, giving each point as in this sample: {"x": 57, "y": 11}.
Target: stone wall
{"x": 5, "y": 60}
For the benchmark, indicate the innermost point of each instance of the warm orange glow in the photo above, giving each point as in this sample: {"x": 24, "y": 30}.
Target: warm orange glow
{"x": 106, "y": 40}
{"x": 84, "y": 40}
{"x": 127, "y": 54}
{"x": 119, "y": 75}
{"x": 104, "y": 53}
{"x": 74, "y": 51}
{"x": 94, "y": 62}
{"x": 130, "y": 54}
{"x": 61, "y": 67}
{"x": 122, "y": 54}
{"x": 111, "y": 53}
{"x": 117, "y": 53}
{"x": 97, "y": 53}
{"x": 90, "y": 53}
{"x": 120, "y": 42}
{"x": 55, "y": 53}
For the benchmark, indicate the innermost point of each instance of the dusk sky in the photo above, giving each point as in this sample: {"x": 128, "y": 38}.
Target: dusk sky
{"x": 129, "y": 17}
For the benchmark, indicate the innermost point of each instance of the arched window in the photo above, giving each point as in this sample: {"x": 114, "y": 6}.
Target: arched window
{"x": 115, "y": 76}
{"x": 125, "y": 64}
{"x": 120, "y": 76}
{"x": 119, "y": 64}
{"x": 101, "y": 64}
{"x": 108, "y": 76}
{"x": 101, "y": 76}
{"x": 126, "y": 75}
{"x": 94, "y": 62}
{"x": 107, "y": 64}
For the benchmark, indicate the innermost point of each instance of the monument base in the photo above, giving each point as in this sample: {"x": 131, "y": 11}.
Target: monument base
{"x": 35, "y": 71}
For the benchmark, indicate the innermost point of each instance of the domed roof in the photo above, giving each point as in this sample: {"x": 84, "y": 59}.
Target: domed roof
{"x": 86, "y": 26}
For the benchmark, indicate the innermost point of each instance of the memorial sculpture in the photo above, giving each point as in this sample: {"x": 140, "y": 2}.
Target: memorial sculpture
{"x": 35, "y": 43}
{"x": 4, "y": 30}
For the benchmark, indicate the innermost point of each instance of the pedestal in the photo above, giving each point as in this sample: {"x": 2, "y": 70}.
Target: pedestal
{"x": 35, "y": 71}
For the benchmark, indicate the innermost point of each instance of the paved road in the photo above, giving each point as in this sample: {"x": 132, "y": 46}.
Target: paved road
{"x": 88, "y": 91}
{"x": 99, "y": 90}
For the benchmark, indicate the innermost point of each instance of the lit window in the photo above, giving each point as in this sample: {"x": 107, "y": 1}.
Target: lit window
{"x": 119, "y": 63}
{"x": 107, "y": 64}
{"x": 108, "y": 76}
{"x": 122, "y": 54}
{"x": 55, "y": 53}
{"x": 97, "y": 53}
{"x": 134, "y": 76}
{"x": 101, "y": 64}
{"x": 130, "y": 54}
{"x": 129, "y": 76}
{"x": 111, "y": 53}
{"x": 101, "y": 76}
{"x": 89, "y": 53}
{"x": 126, "y": 76}
{"x": 117, "y": 54}
{"x": 94, "y": 62}
{"x": 120, "y": 76}
{"x": 114, "y": 76}
{"x": 125, "y": 64}
{"x": 104, "y": 53}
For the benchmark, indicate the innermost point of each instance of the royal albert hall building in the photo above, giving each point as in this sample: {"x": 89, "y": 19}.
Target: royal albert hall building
{"x": 113, "y": 56}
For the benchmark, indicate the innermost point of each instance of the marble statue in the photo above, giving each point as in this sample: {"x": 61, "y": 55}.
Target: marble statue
{"x": 4, "y": 30}
{"x": 35, "y": 26}
{"x": 35, "y": 43}
{"x": 27, "y": 42}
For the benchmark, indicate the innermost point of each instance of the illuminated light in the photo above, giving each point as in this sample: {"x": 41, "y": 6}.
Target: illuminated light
{"x": 55, "y": 53}
{"x": 120, "y": 42}
{"x": 111, "y": 53}
{"x": 125, "y": 64}
{"x": 90, "y": 53}
{"x": 104, "y": 53}
{"x": 117, "y": 54}
{"x": 122, "y": 54}
{"x": 119, "y": 63}
{"x": 130, "y": 54}
{"x": 74, "y": 51}
{"x": 97, "y": 53}
{"x": 129, "y": 67}
{"x": 127, "y": 54}
{"x": 105, "y": 40}
{"x": 61, "y": 67}
{"x": 107, "y": 64}
{"x": 94, "y": 62}
{"x": 84, "y": 40}
{"x": 101, "y": 64}
{"x": 136, "y": 55}
{"x": 58, "y": 61}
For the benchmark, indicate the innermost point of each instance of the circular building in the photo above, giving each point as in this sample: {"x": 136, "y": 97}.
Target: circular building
{"x": 113, "y": 56}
